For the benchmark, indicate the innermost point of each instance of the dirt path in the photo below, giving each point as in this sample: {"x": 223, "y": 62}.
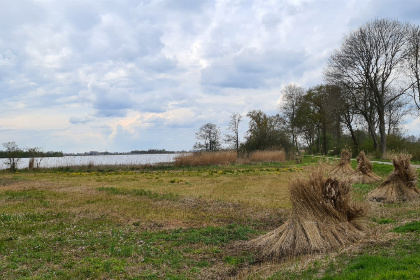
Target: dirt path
{"x": 380, "y": 162}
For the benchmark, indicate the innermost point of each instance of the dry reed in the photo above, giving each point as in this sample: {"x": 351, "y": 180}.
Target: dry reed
{"x": 31, "y": 163}
{"x": 364, "y": 170}
{"x": 322, "y": 219}
{"x": 268, "y": 156}
{"x": 206, "y": 158}
{"x": 401, "y": 184}
{"x": 343, "y": 167}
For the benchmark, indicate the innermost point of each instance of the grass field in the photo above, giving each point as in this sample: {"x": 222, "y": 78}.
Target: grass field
{"x": 183, "y": 223}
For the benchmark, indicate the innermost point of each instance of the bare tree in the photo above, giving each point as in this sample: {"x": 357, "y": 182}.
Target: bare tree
{"x": 413, "y": 58}
{"x": 35, "y": 157}
{"x": 364, "y": 105}
{"x": 210, "y": 135}
{"x": 233, "y": 139}
{"x": 292, "y": 96}
{"x": 14, "y": 154}
{"x": 395, "y": 112}
{"x": 371, "y": 59}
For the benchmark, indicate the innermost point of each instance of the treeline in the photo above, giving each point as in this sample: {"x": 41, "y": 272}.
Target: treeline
{"x": 29, "y": 154}
{"x": 151, "y": 151}
{"x": 372, "y": 84}
{"x": 12, "y": 150}
{"x": 13, "y": 154}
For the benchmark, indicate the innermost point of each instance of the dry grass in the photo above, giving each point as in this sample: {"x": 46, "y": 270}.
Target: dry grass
{"x": 323, "y": 218}
{"x": 228, "y": 157}
{"x": 268, "y": 156}
{"x": 401, "y": 184}
{"x": 206, "y": 158}
{"x": 78, "y": 193}
{"x": 343, "y": 169}
{"x": 364, "y": 170}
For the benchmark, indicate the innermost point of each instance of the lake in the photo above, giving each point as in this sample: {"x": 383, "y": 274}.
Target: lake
{"x": 47, "y": 162}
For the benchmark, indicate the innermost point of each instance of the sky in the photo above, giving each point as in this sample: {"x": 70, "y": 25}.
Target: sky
{"x": 123, "y": 75}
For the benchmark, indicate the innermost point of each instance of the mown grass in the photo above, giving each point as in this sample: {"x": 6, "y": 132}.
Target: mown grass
{"x": 178, "y": 223}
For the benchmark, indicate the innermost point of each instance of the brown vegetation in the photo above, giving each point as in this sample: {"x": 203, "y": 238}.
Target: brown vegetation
{"x": 401, "y": 184}
{"x": 206, "y": 158}
{"x": 343, "y": 167}
{"x": 227, "y": 157}
{"x": 322, "y": 219}
{"x": 364, "y": 170}
{"x": 268, "y": 156}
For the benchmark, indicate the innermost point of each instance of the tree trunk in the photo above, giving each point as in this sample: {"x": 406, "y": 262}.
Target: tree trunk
{"x": 382, "y": 133}
{"x": 354, "y": 138}
{"x": 324, "y": 142}
{"x": 318, "y": 141}
{"x": 372, "y": 131}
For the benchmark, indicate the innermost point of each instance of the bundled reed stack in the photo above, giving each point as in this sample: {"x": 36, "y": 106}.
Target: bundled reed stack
{"x": 322, "y": 219}
{"x": 364, "y": 170}
{"x": 343, "y": 167}
{"x": 401, "y": 184}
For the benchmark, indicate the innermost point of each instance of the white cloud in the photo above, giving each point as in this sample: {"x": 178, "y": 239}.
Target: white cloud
{"x": 131, "y": 74}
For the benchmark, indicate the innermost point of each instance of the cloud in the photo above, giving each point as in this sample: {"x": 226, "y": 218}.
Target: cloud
{"x": 152, "y": 72}
{"x": 80, "y": 120}
{"x": 252, "y": 69}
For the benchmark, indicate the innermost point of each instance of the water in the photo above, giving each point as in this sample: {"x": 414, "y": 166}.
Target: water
{"x": 49, "y": 162}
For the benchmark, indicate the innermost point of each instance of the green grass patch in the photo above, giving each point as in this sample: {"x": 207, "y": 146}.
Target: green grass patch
{"x": 210, "y": 235}
{"x": 22, "y": 195}
{"x": 62, "y": 246}
{"x": 409, "y": 227}
{"x": 385, "y": 221}
{"x": 396, "y": 261}
{"x": 139, "y": 192}
{"x": 361, "y": 190}
{"x": 382, "y": 170}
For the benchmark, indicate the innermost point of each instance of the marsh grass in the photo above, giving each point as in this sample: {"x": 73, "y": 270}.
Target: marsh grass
{"x": 268, "y": 156}
{"x": 228, "y": 157}
{"x": 206, "y": 158}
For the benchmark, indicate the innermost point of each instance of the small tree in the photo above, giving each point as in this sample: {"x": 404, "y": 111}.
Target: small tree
{"x": 210, "y": 135}
{"x": 292, "y": 96}
{"x": 36, "y": 156}
{"x": 265, "y": 133}
{"x": 14, "y": 154}
{"x": 233, "y": 139}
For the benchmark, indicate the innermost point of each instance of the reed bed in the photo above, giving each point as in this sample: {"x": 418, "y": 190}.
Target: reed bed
{"x": 227, "y": 157}
{"x": 206, "y": 158}
{"x": 268, "y": 156}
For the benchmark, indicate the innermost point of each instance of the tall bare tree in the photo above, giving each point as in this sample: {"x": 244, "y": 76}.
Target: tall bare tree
{"x": 233, "y": 139}
{"x": 395, "y": 112}
{"x": 413, "y": 58}
{"x": 372, "y": 58}
{"x": 292, "y": 97}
